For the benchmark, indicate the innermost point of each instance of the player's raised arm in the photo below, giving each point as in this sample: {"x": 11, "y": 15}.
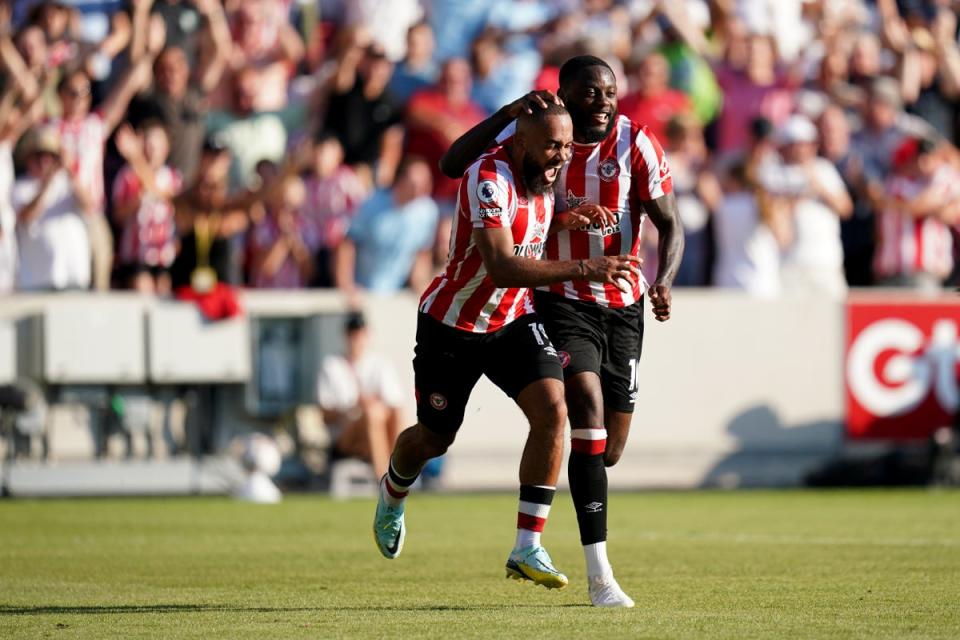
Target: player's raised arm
{"x": 471, "y": 145}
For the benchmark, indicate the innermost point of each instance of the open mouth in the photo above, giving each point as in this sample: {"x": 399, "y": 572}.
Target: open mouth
{"x": 550, "y": 175}
{"x": 600, "y": 119}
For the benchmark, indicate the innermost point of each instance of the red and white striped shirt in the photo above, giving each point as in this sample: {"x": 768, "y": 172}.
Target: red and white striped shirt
{"x": 148, "y": 235}
{"x": 619, "y": 172}
{"x": 908, "y": 244}
{"x": 83, "y": 144}
{"x": 464, "y": 296}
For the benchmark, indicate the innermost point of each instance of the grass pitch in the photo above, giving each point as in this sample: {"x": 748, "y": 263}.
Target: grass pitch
{"x": 699, "y": 565}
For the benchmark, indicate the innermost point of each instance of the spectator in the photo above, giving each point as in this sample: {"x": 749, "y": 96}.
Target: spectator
{"x": 757, "y": 89}
{"x": 184, "y": 23}
{"x": 143, "y": 193}
{"x": 653, "y": 102}
{"x": 334, "y": 191}
{"x": 857, "y": 231}
{"x": 749, "y": 230}
{"x": 417, "y": 70}
{"x": 932, "y": 75}
{"x": 282, "y": 245}
{"x": 388, "y": 22}
{"x": 363, "y": 113}
{"x": 264, "y": 40}
{"x": 817, "y": 196}
{"x": 206, "y": 221}
{"x": 698, "y": 194}
{"x": 83, "y": 134}
{"x": 360, "y": 396}
{"x": 50, "y": 203}
{"x": 500, "y": 77}
{"x": 179, "y": 97}
{"x": 249, "y": 134}
{"x": 435, "y": 118}
{"x": 922, "y": 200}
{"x": 390, "y": 240}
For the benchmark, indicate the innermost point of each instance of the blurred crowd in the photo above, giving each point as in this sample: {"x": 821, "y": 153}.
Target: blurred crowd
{"x": 176, "y": 146}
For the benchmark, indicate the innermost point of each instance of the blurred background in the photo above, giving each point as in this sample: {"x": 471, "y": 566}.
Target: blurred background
{"x": 216, "y": 218}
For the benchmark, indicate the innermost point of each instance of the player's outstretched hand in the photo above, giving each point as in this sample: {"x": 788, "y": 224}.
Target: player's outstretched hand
{"x": 659, "y": 295}
{"x": 531, "y": 101}
{"x": 621, "y": 271}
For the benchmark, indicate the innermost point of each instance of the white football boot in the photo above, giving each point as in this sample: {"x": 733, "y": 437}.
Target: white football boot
{"x": 605, "y": 592}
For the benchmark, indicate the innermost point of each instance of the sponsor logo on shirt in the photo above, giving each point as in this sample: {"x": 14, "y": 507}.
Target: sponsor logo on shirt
{"x": 492, "y": 212}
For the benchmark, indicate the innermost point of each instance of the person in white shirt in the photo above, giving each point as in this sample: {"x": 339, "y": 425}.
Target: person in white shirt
{"x": 746, "y": 236}
{"x": 813, "y": 263}
{"x": 51, "y": 234}
{"x": 360, "y": 396}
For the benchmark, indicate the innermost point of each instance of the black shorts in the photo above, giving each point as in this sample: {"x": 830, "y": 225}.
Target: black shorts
{"x": 449, "y": 362}
{"x": 591, "y": 337}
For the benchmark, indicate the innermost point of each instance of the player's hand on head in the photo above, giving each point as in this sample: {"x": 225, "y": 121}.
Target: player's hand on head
{"x": 533, "y": 100}
{"x": 659, "y": 295}
{"x": 621, "y": 271}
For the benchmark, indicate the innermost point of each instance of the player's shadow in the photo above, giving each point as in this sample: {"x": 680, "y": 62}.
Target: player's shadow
{"x": 120, "y": 609}
{"x": 770, "y": 453}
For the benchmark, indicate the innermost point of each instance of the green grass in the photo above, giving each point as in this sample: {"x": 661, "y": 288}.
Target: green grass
{"x": 699, "y": 565}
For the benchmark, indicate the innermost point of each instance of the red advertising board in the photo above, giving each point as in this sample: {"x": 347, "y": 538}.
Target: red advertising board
{"x": 902, "y": 366}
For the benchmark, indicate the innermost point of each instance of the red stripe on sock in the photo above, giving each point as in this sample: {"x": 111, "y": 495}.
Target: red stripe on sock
{"x": 396, "y": 493}
{"x": 589, "y": 447}
{"x": 530, "y": 523}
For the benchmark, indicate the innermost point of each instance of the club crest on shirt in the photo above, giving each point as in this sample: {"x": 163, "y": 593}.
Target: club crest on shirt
{"x": 608, "y": 170}
{"x": 489, "y": 192}
{"x": 438, "y": 402}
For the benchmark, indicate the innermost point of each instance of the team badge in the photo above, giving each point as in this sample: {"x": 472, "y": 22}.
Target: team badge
{"x": 609, "y": 169}
{"x": 438, "y": 402}
{"x": 489, "y": 192}
{"x": 564, "y": 358}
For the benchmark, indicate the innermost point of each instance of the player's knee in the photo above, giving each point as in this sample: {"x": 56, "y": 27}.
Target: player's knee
{"x": 430, "y": 442}
{"x": 551, "y": 414}
{"x": 612, "y": 453}
{"x": 585, "y": 403}
{"x": 436, "y": 443}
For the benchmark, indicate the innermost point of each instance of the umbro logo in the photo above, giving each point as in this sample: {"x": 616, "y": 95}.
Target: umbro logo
{"x": 593, "y": 507}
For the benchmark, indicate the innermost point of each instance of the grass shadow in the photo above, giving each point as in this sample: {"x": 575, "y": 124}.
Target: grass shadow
{"x": 9, "y": 610}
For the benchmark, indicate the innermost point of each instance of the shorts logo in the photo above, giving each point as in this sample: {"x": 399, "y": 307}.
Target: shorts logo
{"x": 564, "y": 358}
{"x": 438, "y": 402}
{"x": 609, "y": 169}
{"x": 489, "y": 192}
{"x": 593, "y": 507}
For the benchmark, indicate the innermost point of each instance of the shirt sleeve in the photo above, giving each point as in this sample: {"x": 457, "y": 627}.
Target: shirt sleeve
{"x": 126, "y": 187}
{"x": 507, "y": 132}
{"x": 488, "y": 194}
{"x": 650, "y": 170}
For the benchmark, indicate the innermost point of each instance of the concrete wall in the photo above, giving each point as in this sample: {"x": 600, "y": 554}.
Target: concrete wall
{"x": 734, "y": 391}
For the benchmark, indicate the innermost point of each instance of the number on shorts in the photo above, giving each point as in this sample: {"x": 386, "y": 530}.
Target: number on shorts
{"x": 539, "y": 333}
{"x": 634, "y": 382}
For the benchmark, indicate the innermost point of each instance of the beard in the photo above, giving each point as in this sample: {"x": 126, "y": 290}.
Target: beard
{"x": 590, "y": 133}
{"x": 533, "y": 178}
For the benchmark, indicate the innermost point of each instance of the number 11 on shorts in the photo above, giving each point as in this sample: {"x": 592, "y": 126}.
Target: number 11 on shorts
{"x": 539, "y": 333}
